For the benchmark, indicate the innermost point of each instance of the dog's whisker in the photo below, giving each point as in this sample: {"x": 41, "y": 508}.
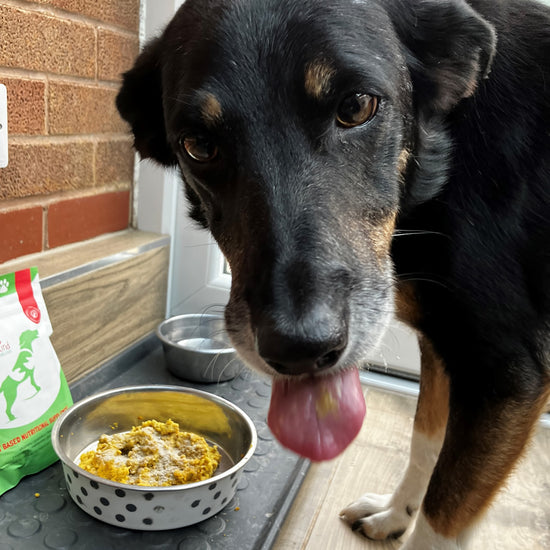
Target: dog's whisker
{"x": 230, "y": 364}
{"x": 418, "y": 277}
{"x": 391, "y": 334}
{"x": 183, "y": 100}
{"x": 218, "y": 309}
{"x": 418, "y": 232}
{"x": 201, "y": 245}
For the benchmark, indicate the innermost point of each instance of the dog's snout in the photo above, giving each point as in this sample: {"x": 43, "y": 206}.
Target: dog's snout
{"x": 312, "y": 358}
{"x": 303, "y": 350}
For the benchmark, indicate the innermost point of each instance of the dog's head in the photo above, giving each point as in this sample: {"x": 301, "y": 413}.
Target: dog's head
{"x": 301, "y": 129}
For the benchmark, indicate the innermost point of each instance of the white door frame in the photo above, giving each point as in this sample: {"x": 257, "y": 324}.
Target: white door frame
{"x": 195, "y": 279}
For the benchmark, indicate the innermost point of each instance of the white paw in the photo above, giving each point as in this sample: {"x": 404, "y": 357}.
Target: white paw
{"x": 377, "y": 517}
{"x": 4, "y": 286}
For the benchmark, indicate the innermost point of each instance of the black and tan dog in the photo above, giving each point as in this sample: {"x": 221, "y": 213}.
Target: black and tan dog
{"x": 356, "y": 158}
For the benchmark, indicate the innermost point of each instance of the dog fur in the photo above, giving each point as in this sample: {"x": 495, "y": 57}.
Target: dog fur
{"x": 435, "y": 207}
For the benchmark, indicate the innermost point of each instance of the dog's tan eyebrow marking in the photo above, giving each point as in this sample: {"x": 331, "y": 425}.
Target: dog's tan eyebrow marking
{"x": 318, "y": 77}
{"x": 211, "y": 109}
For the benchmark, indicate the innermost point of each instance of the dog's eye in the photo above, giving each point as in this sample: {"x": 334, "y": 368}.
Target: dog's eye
{"x": 199, "y": 148}
{"x": 356, "y": 109}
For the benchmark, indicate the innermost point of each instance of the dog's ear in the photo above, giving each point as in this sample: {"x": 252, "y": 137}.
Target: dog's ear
{"x": 450, "y": 49}
{"x": 139, "y": 102}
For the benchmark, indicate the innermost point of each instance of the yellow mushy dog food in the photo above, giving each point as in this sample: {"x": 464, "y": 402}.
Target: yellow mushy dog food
{"x": 152, "y": 454}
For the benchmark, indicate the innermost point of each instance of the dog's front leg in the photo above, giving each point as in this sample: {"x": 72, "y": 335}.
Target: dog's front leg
{"x": 484, "y": 439}
{"x": 381, "y": 516}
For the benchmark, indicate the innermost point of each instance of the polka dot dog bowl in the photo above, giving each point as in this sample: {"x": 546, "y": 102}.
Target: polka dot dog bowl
{"x": 154, "y": 508}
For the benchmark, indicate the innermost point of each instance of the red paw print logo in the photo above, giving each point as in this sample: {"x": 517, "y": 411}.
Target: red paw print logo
{"x": 33, "y": 313}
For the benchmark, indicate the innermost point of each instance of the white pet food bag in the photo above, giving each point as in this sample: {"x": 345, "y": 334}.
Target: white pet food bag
{"x": 33, "y": 388}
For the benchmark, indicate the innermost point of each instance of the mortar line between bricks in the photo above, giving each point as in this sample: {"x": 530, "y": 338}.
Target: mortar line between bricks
{"x": 58, "y": 13}
{"x": 30, "y": 74}
{"x": 23, "y": 203}
{"x": 44, "y": 227}
{"x": 20, "y": 139}
{"x": 47, "y": 105}
{"x": 96, "y": 55}
{"x": 94, "y": 164}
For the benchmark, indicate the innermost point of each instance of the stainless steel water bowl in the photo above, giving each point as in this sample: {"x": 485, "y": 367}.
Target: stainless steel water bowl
{"x": 197, "y": 348}
{"x": 153, "y": 508}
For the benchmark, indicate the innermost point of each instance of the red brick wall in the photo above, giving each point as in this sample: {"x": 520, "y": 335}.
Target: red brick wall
{"x": 70, "y": 169}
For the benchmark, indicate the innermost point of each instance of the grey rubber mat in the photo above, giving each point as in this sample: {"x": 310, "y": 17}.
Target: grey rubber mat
{"x": 39, "y": 513}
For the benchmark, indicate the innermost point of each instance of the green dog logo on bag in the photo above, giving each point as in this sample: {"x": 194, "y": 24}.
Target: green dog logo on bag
{"x": 22, "y": 371}
{"x": 29, "y": 378}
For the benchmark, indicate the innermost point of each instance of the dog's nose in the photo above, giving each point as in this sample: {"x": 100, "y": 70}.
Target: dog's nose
{"x": 301, "y": 351}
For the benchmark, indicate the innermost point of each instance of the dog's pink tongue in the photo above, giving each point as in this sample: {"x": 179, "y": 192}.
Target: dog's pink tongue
{"x": 317, "y": 417}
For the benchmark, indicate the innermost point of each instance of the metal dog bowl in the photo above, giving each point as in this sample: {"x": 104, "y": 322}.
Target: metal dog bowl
{"x": 153, "y": 508}
{"x": 197, "y": 348}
